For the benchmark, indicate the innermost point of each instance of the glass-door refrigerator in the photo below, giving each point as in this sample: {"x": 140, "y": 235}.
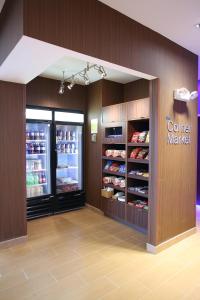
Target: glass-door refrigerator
{"x": 38, "y": 162}
{"x": 69, "y": 192}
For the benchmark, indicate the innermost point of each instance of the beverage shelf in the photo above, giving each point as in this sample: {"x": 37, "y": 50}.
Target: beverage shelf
{"x": 139, "y": 161}
{"x": 36, "y": 141}
{"x": 114, "y": 173}
{"x": 62, "y": 153}
{"x": 66, "y": 141}
{"x": 137, "y": 194}
{"x": 34, "y": 185}
{"x": 41, "y": 170}
{"x": 113, "y": 158}
{"x": 70, "y": 167}
{"x": 138, "y": 144}
{"x": 35, "y": 154}
{"x": 140, "y": 177}
{"x": 115, "y": 187}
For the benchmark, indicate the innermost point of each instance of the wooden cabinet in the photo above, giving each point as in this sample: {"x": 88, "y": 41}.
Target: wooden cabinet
{"x": 113, "y": 208}
{"x": 137, "y": 216}
{"x": 138, "y": 109}
{"x": 114, "y": 113}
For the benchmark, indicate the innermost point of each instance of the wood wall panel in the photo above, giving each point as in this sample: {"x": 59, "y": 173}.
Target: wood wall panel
{"x": 11, "y": 26}
{"x": 93, "y": 150}
{"x": 138, "y": 89}
{"x": 92, "y": 28}
{"x": 12, "y": 161}
{"x": 44, "y": 92}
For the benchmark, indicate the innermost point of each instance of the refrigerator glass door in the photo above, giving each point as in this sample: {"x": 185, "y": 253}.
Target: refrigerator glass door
{"x": 38, "y": 175}
{"x": 69, "y": 158}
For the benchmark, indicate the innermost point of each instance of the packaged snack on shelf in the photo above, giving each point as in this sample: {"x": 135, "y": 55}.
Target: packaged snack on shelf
{"x": 114, "y": 167}
{"x": 122, "y": 183}
{"x": 107, "y": 192}
{"x": 135, "y": 152}
{"x": 122, "y": 169}
{"x": 142, "y": 154}
{"x": 142, "y": 137}
{"x": 121, "y": 199}
{"x": 135, "y": 136}
{"x": 147, "y": 138}
{"x": 116, "y": 153}
{"x": 109, "y": 152}
{"x": 123, "y": 153}
{"x": 108, "y": 179}
{"x": 117, "y": 195}
{"x": 108, "y": 164}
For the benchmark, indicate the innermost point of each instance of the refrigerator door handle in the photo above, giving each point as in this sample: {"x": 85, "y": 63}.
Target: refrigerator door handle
{"x": 56, "y": 156}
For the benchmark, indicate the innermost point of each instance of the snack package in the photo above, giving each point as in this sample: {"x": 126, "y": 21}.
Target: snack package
{"x": 107, "y": 179}
{"x": 122, "y": 183}
{"x": 122, "y": 169}
{"x": 114, "y": 167}
{"x": 142, "y": 137}
{"x": 135, "y": 152}
{"x": 147, "y": 138}
{"x": 116, "y": 153}
{"x": 117, "y": 195}
{"x": 123, "y": 153}
{"x": 108, "y": 164}
{"x": 109, "y": 152}
{"x": 142, "y": 154}
{"x": 135, "y": 136}
{"x": 116, "y": 180}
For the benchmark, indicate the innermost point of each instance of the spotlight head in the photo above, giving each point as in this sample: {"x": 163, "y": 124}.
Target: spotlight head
{"x": 102, "y": 72}
{"x": 70, "y": 86}
{"x": 61, "y": 89}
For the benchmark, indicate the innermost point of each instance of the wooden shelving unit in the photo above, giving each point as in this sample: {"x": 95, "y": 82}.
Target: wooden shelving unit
{"x": 127, "y": 211}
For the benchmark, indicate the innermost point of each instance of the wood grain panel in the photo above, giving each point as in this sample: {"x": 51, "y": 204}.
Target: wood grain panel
{"x": 138, "y": 89}
{"x": 11, "y": 27}
{"x": 12, "y": 162}
{"x": 92, "y": 28}
{"x": 44, "y": 92}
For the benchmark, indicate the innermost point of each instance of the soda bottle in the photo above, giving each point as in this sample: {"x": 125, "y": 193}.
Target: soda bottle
{"x": 42, "y": 148}
{"x": 41, "y": 135}
{"x": 31, "y": 148}
{"x": 43, "y": 178}
{"x": 37, "y": 148}
{"x": 58, "y": 147}
{"x": 74, "y": 135}
{"x": 62, "y": 148}
{"x": 32, "y": 135}
{"x": 27, "y": 135}
{"x": 37, "y": 135}
{"x": 40, "y": 179}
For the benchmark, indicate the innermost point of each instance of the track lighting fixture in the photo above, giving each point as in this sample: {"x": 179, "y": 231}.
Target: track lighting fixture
{"x": 62, "y": 85}
{"x": 70, "y": 86}
{"x": 83, "y": 74}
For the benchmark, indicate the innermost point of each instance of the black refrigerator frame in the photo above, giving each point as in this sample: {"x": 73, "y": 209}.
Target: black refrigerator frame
{"x": 53, "y": 203}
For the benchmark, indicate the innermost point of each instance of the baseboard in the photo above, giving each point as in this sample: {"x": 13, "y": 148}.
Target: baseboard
{"x": 12, "y": 242}
{"x": 156, "y": 249}
{"x": 97, "y": 210}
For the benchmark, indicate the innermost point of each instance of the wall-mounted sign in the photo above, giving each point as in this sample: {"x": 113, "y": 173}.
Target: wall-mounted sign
{"x": 178, "y": 133}
{"x": 94, "y": 126}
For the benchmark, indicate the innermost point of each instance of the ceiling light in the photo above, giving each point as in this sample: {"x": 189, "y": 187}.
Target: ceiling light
{"x": 197, "y": 25}
{"x": 62, "y": 85}
{"x": 84, "y": 75}
{"x": 70, "y": 86}
{"x": 102, "y": 72}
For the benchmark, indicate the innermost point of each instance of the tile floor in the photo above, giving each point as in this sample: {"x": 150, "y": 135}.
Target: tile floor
{"x": 84, "y": 255}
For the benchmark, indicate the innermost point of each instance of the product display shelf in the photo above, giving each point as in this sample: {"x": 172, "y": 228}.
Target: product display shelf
{"x": 113, "y": 158}
{"x": 36, "y": 141}
{"x": 41, "y": 170}
{"x": 137, "y": 194}
{"x": 138, "y": 144}
{"x": 139, "y": 177}
{"x": 115, "y": 187}
{"x": 114, "y": 173}
{"x": 35, "y": 154}
{"x": 139, "y": 161}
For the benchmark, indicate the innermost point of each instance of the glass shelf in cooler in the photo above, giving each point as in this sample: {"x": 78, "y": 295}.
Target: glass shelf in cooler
{"x": 30, "y": 171}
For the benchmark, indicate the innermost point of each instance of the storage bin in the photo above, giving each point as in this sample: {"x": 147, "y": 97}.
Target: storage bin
{"x": 106, "y": 194}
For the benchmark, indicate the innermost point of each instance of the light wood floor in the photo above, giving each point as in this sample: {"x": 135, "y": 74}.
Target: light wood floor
{"x": 84, "y": 255}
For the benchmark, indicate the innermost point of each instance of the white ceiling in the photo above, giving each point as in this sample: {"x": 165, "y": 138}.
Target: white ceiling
{"x": 174, "y": 19}
{"x": 71, "y": 65}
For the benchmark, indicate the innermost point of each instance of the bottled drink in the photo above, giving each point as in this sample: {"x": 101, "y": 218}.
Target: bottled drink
{"x": 36, "y": 179}
{"x": 31, "y": 148}
{"x": 68, "y": 135}
{"x": 66, "y": 145}
{"x": 43, "y": 178}
{"x": 73, "y": 135}
{"x": 68, "y": 148}
{"x": 32, "y": 135}
{"x": 26, "y": 148}
{"x": 58, "y": 147}
{"x": 37, "y": 135}
{"x": 41, "y": 135}
{"x": 62, "y": 148}
{"x": 27, "y": 135}
{"x": 40, "y": 179}
{"x": 37, "y": 148}
{"x": 73, "y": 148}
{"x": 42, "y": 148}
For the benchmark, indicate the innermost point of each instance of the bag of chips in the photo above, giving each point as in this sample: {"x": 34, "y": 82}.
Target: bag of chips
{"x": 142, "y": 154}
{"x": 123, "y": 153}
{"x": 114, "y": 167}
{"x": 109, "y": 152}
{"x": 135, "y": 136}
{"x": 142, "y": 137}
{"x": 147, "y": 138}
{"x": 108, "y": 164}
{"x": 135, "y": 152}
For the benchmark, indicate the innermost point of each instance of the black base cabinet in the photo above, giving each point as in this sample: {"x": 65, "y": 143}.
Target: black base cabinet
{"x": 68, "y": 202}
